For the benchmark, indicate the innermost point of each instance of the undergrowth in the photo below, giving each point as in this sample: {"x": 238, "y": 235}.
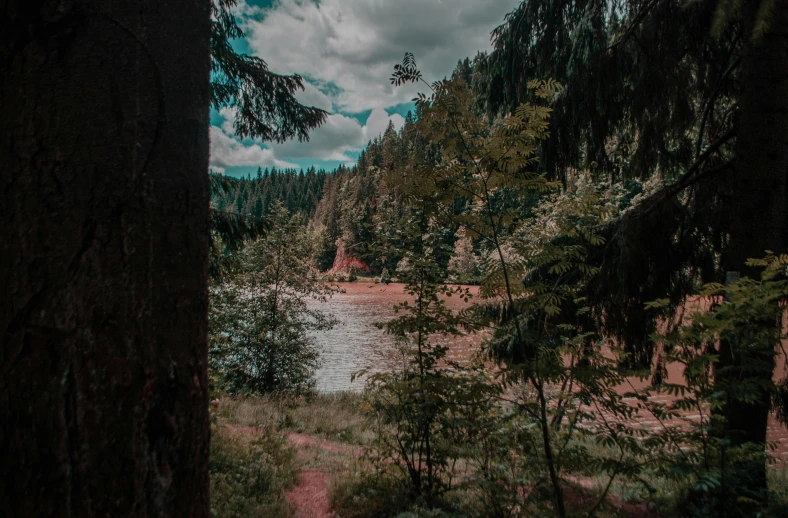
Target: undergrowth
{"x": 249, "y": 473}
{"x": 336, "y": 417}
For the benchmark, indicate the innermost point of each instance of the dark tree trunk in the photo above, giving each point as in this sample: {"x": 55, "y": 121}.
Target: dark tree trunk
{"x": 758, "y": 210}
{"x": 103, "y": 257}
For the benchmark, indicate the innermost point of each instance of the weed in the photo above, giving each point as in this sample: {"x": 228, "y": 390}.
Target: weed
{"x": 249, "y": 474}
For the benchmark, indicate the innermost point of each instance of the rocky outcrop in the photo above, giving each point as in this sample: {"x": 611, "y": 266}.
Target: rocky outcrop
{"x": 345, "y": 262}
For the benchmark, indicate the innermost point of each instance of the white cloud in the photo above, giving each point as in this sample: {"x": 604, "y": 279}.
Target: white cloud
{"x": 312, "y": 96}
{"x": 346, "y": 50}
{"x": 330, "y": 141}
{"x": 228, "y": 152}
{"x": 338, "y": 136}
{"x": 378, "y": 121}
{"x": 229, "y": 114}
{"x": 354, "y": 44}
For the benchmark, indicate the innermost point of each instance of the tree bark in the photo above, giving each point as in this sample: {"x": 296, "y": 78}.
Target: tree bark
{"x": 758, "y": 211}
{"x": 103, "y": 257}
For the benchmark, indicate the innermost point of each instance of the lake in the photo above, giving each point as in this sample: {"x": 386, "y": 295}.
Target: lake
{"x": 356, "y": 344}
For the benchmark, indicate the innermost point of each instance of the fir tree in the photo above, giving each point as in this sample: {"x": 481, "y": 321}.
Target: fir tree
{"x": 265, "y": 102}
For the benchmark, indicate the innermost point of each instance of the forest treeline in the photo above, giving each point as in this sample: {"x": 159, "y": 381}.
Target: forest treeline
{"x": 346, "y": 203}
{"x": 297, "y": 191}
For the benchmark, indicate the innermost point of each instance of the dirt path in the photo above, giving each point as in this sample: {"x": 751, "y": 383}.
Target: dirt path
{"x": 310, "y": 494}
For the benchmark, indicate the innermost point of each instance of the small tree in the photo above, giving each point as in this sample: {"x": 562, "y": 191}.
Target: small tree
{"x": 464, "y": 264}
{"x": 261, "y": 318}
{"x": 544, "y": 333}
{"x": 421, "y": 406}
{"x": 719, "y": 470}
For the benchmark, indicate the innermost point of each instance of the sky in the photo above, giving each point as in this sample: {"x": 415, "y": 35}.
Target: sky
{"x": 346, "y": 51}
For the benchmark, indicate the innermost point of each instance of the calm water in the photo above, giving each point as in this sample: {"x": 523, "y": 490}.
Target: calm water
{"x": 356, "y": 343}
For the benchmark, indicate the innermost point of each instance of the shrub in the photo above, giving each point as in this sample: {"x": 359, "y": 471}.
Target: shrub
{"x": 260, "y": 339}
{"x": 249, "y": 475}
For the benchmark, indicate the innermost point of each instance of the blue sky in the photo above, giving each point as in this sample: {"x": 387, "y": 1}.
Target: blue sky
{"x": 346, "y": 50}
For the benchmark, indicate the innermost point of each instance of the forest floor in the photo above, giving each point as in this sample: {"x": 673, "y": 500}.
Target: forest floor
{"x": 324, "y": 440}
{"x": 327, "y": 436}
{"x": 316, "y": 460}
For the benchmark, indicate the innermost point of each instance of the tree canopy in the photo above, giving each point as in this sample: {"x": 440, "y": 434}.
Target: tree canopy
{"x": 264, "y": 101}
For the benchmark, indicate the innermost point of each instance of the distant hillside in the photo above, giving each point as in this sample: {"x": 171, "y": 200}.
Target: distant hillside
{"x": 299, "y": 191}
{"x": 352, "y": 212}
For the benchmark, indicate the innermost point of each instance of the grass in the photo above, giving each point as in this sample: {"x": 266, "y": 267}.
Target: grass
{"x": 252, "y": 463}
{"x": 667, "y": 496}
{"x": 335, "y": 417}
{"x": 249, "y": 474}
{"x": 251, "y": 471}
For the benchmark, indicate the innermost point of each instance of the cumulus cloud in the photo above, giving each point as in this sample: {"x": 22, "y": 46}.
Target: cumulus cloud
{"x": 312, "y": 96}
{"x": 330, "y": 141}
{"x": 229, "y": 114}
{"x": 227, "y": 151}
{"x": 345, "y": 50}
{"x": 338, "y": 136}
{"x": 353, "y": 44}
{"x": 378, "y": 121}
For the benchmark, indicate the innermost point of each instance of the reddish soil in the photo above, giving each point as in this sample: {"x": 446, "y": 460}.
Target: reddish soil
{"x": 301, "y": 440}
{"x": 310, "y": 495}
{"x": 345, "y": 262}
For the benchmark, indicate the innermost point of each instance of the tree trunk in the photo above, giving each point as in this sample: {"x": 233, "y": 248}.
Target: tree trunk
{"x": 104, "y": 243}
{"x": 758, "y": 209}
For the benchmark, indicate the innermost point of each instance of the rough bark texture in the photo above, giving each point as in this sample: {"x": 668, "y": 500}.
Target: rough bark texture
{"x": 103, "y": 257}
{"x": 758, "y": 207}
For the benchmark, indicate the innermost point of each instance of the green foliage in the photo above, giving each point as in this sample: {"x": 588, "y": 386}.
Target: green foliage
{"x": 623, "y": 52}
{"x": 265, "y": 103}
{"x": 423, "y": 408}
{"x": 260, "y": 319}
{"x": 369, "y": 494}
{"x": 249, "y": 475}
{"x": 558, "y": 378}
{"x": 744, "y": 320}
{"x": 298, "y": 192}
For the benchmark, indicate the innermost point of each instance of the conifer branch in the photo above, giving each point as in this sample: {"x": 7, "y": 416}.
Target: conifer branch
{"x": 635, "y": 23}
{"x": 691, "y": 177}
{"x": 710, "y": 103}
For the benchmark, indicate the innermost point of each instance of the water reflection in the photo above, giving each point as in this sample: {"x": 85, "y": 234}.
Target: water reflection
{"x": 356, "y": 343}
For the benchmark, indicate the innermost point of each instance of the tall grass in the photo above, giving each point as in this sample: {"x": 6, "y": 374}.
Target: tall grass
{"x": 336, "y": 417}
{"x": 249, "y": 473}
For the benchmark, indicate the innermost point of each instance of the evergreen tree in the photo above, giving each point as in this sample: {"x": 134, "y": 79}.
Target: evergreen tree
{"x": 464, "y": 264}
{"x": 265, "y": 102}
